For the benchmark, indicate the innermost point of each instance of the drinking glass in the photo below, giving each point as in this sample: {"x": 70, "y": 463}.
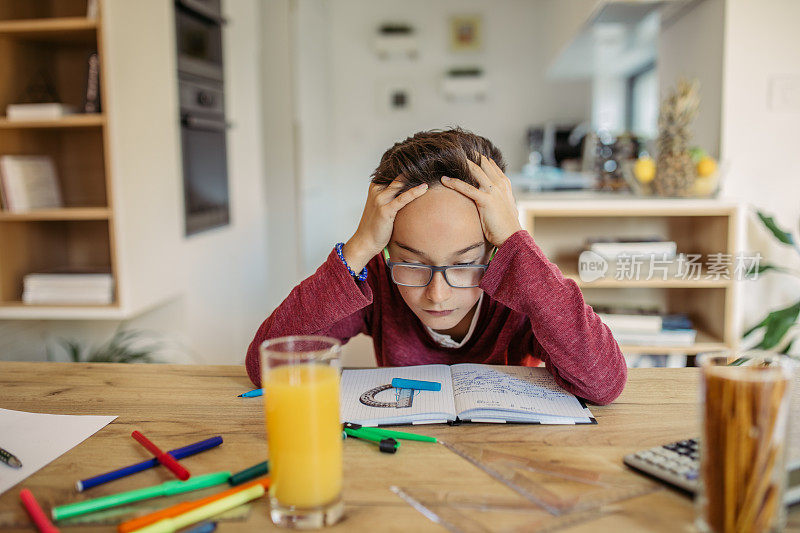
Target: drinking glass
{"x": 300, "y": 378}
{"x": 745, "y": 406}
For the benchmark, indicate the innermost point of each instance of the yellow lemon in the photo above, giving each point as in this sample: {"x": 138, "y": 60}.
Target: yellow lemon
{"x": 706, "y": 167}
{"x": 644, "y": 169}
{"x": 704, "y": 185}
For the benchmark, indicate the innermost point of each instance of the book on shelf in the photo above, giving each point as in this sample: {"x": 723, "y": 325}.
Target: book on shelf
{"x": 655, "y": 247}
{"x": 91, "y": 9}
{"x": 47, "y": 111}
{"x": 666, "y": 337}
{"x": 469, "y": 392}
{"x": 29, "y": 182}
{"x": 640, "y": 326}
{"x": 68, "y": 286}
{"x": 643, "y": 323}
{"x": 91, "y": 99}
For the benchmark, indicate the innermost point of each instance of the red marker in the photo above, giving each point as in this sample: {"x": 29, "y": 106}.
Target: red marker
{"x": 37, "y": 515}
{"x": 163, "y": 458}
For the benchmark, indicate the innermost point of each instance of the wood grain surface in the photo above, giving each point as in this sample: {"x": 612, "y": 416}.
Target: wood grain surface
{"x": 175, "y": 405}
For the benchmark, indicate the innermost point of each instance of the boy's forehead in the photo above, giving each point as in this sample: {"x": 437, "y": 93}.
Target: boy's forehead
{"x": 438, "y": 224}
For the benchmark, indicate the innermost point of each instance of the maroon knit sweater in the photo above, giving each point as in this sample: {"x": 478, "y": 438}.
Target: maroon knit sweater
{"x": 532, "y": 314}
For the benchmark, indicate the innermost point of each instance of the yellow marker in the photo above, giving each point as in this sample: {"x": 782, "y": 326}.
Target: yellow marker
{"x": 170, "y": 525}
{"x": 304, "y": 434}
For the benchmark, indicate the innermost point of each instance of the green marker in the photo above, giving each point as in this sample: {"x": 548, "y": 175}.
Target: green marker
{"x": 167, "y": 488}
{"x": 249, "y": 473}
{"x": 398, "y": 434}
{"x": 385, "y": 444}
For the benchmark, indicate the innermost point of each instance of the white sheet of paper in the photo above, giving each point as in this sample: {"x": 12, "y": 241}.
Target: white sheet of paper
{"x": 37, "y": 439}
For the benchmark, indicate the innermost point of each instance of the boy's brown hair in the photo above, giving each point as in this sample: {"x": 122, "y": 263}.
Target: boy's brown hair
{"x": 428, "y": 155}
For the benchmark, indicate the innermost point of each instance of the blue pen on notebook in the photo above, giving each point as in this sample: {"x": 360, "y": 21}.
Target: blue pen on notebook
{"x": 178, "y": 453}
{"x": 252, "y": 394}
{"x": 400, "y": 383}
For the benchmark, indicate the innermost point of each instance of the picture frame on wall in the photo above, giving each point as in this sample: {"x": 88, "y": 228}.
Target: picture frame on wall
{"x": 466, "y": 33}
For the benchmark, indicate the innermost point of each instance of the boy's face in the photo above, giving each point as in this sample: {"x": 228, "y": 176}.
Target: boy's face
{"x": 438, "y": 225}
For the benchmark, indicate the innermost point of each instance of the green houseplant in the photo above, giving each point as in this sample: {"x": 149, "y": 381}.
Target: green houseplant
{"x": 780, "y": 327}
{"x": 125, "y": 346}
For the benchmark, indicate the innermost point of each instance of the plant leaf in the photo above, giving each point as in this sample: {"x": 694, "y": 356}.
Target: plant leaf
{"x": 73, "y": 349}
{"x": 764, "y": 267}
{"x": 788, "y": 347}
{"x": 777, "y": 324}
{"x": 759, "y": 325}
{"x": 784, "y": 236}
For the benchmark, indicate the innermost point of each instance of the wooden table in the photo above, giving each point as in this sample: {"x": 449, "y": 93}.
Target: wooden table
{"x": 175, "y": 405}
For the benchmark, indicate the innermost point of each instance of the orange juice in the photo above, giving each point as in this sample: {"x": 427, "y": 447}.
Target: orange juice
{"x": 304, "y": 434}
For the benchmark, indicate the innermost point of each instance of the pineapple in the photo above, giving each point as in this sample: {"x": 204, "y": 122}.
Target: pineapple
{"x": 675, "y": 170}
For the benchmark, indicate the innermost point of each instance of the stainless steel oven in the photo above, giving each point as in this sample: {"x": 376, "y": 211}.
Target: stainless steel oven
{"x": 205, "y": 160}
{"x": 202, "y": 110}
{"x": 199, "y": 36}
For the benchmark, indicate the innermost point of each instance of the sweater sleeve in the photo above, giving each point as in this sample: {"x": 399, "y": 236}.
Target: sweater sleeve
{"x": 576, "y": 346}
{"x": 329, "y": 302}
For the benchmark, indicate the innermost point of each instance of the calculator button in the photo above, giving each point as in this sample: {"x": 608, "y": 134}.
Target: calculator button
{"x": 691, "y": 474}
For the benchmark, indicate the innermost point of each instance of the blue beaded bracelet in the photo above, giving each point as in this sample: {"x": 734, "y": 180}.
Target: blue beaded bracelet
{"x": 358, "y": 277}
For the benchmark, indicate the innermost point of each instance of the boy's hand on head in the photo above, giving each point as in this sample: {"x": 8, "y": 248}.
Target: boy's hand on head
{"x": 494, "y": 199}
{"x": 377, "y": 221}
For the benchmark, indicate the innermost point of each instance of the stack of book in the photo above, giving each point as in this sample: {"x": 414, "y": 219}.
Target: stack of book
{"x": 636, "y": 326}
{"x": 46, "y": 111}
{"x": 70, "y": 288}
{"x": 641, "y": 247}
{"x": 28, "y": 182}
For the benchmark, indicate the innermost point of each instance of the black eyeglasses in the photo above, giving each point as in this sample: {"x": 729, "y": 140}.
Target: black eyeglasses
{"x": 418, "y": 275}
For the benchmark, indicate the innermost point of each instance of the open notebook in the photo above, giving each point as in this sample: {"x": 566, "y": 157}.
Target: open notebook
{"x": 470, "y": 392}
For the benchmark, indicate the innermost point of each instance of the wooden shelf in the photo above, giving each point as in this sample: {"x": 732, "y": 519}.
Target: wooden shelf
{"x": 565, "y": 205}
{"x": 78, "y": 120}
{"x": 656, "y": 282}
{"x": 701, "y": 228}
{"x": 64, "y": 29}
{"x": 704, "y": 343}
{"x": 66, "y": 213}
{"x": 16, "y": 310}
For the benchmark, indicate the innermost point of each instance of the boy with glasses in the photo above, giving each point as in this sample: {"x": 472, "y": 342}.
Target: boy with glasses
{"x": 441, "y": 271}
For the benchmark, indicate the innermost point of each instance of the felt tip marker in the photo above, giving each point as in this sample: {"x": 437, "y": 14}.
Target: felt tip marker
{"x": 37, "y": 515}
{"x": 163, "y": 458}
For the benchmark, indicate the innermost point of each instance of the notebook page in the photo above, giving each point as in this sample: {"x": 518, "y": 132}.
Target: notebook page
{"x": 367, "y": 397}
{"x": 505, "y": 389}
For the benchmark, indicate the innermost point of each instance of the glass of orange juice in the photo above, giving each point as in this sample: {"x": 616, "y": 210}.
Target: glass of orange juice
{"x": 300, "y": 378}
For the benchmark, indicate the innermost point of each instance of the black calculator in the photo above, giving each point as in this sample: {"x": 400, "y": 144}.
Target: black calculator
{"x": 676, "y": 463}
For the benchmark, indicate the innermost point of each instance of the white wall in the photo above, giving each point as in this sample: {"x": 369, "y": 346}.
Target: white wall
{"x": 221, "y": 275}
{"x": 760, "y": 140}
{"x": 691, "y": 46}
{"x": 279, "y": 148}
{"x": 517, "y": 40}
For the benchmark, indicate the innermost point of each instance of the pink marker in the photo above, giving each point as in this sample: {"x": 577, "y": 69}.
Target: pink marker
{"x": 37, "y": 515}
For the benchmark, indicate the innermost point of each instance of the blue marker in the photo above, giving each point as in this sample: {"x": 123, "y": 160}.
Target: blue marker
{"x": 252, "y": 394}
{"x": 400, "y": 383}
{"x": 178, "y": 453}
{"x": 205, "y": 527}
